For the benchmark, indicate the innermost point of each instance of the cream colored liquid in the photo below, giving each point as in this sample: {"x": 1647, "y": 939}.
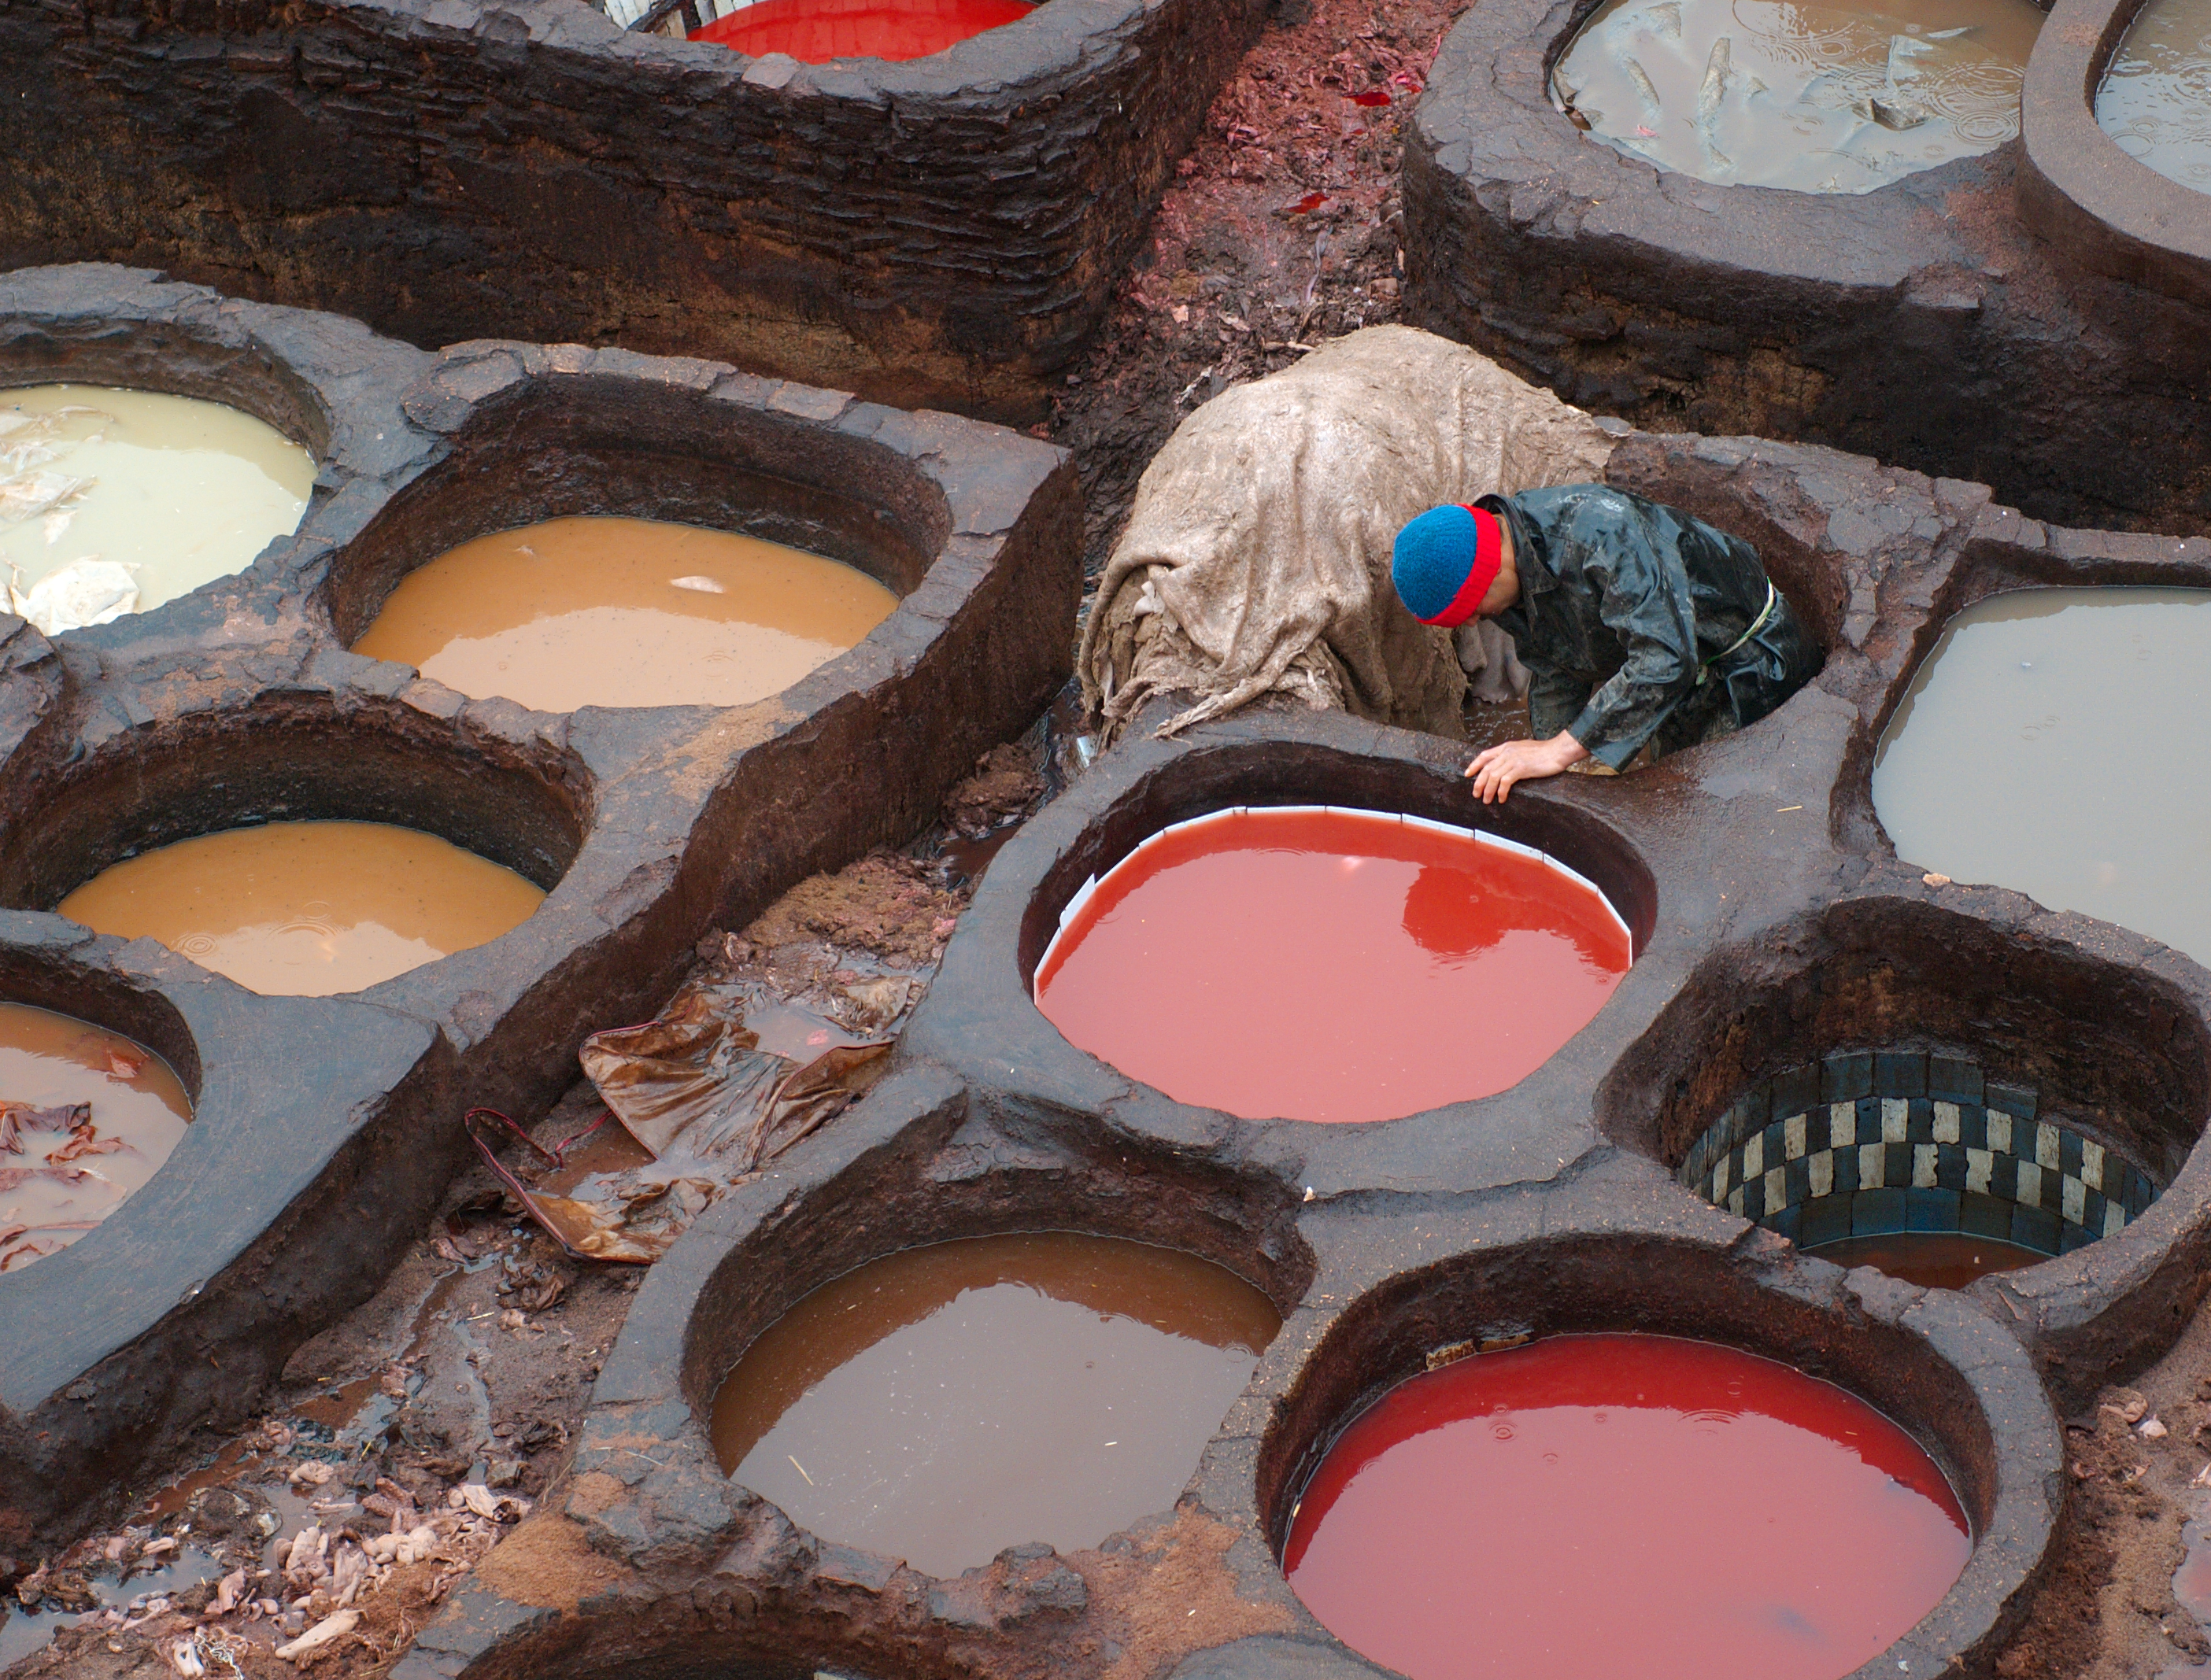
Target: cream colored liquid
{"x": 307, "y": 909}
{"x": 138, "y": 1114}
{"x": 176, "y": 492}
{"x": 1815, "y": 98}
{"x": 2059, "y": 742}
{"x": 624, "y": 613}
{"x": 2156, "y": 97}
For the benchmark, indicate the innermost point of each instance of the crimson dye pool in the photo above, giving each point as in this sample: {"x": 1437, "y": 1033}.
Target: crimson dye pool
{"x": 815, "y": 31}
{"x": 1311, "y": 963}
{"x": 1541, "y": 1511}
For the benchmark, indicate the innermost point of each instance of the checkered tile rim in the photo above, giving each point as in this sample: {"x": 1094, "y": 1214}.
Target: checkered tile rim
{"x": 1874, "y": 1143}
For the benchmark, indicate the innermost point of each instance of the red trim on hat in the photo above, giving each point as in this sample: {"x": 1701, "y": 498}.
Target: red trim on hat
{"x": 1488, "y": 561}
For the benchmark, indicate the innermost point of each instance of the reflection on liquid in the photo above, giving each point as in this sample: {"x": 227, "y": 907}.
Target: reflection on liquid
{"x": 1539, "y": 1511}
{"x": 1815, "y": 98}
{"x": 2156, "y": 97}
{"x": 1329, "y": 966}
{"x": 119, "y": 500}
{"x": 87, "y": 1116}
{"x": 307, "y": 909}
{"x": 2059, "y": 742}
{"x": 946, "y": 1402}
{"x": 603, "y": 612}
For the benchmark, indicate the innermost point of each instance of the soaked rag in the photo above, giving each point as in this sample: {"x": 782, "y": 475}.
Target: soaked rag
{"x": 1256, "y": 558}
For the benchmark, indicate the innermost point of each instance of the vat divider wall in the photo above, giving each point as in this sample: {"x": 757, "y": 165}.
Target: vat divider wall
{"x": 239, "y": 703}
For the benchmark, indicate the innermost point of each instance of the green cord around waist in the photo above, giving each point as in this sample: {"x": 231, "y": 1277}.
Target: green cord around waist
{"x": 1764, "y": 614}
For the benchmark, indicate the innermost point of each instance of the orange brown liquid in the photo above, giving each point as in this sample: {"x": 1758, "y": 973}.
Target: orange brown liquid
{"x": 944, "y": 1403}
{"x": 603, "y": 611}
{"x": 137, "y": 1112}
{"x": 307, "y": 909}
{"x": 1932, "y": 1260}
{"x": 1329, "y": 966}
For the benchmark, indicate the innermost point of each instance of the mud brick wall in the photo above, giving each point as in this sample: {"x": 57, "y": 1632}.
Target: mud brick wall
{"x": 944, "y": 232}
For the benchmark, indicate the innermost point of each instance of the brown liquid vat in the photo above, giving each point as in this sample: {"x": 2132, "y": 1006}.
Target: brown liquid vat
{"x": 307, "y": 909}
{"x": 947, "y": 1401}
{"x": 528, "y": 812}
{"x": 95, "y": 1115}
{"x": 613, "y": 612}
{"x": 585, "y": 447}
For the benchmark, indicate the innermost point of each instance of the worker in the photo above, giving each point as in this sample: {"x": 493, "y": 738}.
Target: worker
{"x": 1640, "y": 625}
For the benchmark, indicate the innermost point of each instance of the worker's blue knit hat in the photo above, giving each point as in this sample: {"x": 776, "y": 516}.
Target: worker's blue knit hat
{"x": 1445, "y": 561}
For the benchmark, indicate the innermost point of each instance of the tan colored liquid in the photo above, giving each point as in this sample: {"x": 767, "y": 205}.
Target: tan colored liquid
{"x": 1819, "y": 97}
{"x": 307, "y": 909}
{"x": 943, "y": 1404}
{"x": 138, "y": 1114}
{"x": 624, "y": 613}
{"x": 176, "y": 491}
{"x": 2156, "y": 97}
{"x": 2059, "y": 742}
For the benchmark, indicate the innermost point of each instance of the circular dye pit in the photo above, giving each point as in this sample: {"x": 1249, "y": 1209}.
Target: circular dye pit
{"x": 1310, "y": 963}
{"x": 603, "y": 612}
{"x": 944, "y": 1403}
{"x": 1543, "y": 1510}
{"x": 813, "y": 32}
{"x": 2059, "y": 742}
{"x": 87, "y": 1116}
{"x": 307, "y": 909}
{"x": 2155, "y": 100}
{"x": 1819, "y": 98}
{"x": 116, "y": 501}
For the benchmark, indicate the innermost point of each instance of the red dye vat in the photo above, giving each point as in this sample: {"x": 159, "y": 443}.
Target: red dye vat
{"x": 1317, "y": 963}
{"x": 1592, "y": 1506}
{"x": 815, "y": 31}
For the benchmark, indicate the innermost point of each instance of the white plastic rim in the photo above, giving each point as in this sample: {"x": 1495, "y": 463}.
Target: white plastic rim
{"x": 1481, "y": 836}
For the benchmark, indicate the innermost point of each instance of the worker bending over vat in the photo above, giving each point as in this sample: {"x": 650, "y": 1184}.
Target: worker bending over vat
{"x": 1259, "y": 564}
{"x": 1639, "y": 625}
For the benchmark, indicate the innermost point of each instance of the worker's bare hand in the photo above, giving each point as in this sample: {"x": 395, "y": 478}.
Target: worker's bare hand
{"x": 1494, "y": 772}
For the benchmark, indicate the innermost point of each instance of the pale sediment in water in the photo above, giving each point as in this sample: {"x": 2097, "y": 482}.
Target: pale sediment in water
{"x": 1819, "y": 98}
{"x": 2156, "y": 97}
{"x": 944, "y": 1403}
{"x": 87, "y": 1116}
{"x": 2059, "y": 742}
{"x": 116, "y": 501}
{"x": 311, "y": 909}
{"x": 608, "y": 612}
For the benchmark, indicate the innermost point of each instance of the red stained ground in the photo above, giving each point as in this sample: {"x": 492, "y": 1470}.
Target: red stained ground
{"x": 1592, "y": 1506}
{"x": 1330, "y": 966}
{"x": 815, "y": 31}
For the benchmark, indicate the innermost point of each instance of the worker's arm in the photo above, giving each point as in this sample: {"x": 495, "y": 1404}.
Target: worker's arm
{"x": 1642, "y": 597}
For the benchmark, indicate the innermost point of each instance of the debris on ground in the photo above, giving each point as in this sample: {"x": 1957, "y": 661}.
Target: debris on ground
{"x": 705, "y": 1105}
{"x": 1281, "y": 230}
